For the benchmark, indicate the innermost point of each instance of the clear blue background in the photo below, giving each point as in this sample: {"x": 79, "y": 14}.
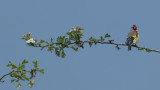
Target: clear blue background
{"x": 101, "y": 67}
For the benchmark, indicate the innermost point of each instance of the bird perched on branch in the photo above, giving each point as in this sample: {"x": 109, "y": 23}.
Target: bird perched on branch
{"x": 133, "y": 37}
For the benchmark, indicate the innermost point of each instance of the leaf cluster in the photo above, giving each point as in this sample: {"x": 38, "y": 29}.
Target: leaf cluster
{"x": 19, "y": 73}
{"x": 74, "y": 37}
{"x": 95, "y": 41}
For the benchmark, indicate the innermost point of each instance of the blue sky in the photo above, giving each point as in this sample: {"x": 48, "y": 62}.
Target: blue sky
{"x": 101, "y": 67}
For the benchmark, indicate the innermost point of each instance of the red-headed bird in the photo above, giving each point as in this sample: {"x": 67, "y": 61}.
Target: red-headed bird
{"x": 133, "y": 37}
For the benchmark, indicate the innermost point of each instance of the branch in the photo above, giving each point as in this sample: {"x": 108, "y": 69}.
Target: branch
{"x": 16, "y": 71}
{"x": 19, "y": 73}
{"x": 101, "y": 42}
{"x": 123, "y": 44}
{"x": 74, "y": 39}
{"x": 5, "y": 76}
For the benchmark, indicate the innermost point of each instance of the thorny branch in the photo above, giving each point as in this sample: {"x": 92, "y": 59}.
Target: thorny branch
{"x": 100, "y": 42}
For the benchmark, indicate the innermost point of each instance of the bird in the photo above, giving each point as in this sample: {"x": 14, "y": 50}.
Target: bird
{"x": 133, "y": 37}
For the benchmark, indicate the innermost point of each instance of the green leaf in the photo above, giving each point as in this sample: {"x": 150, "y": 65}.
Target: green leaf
{"x": 41, "y": 70}
{"x": 18, "y": 64}
{"x": 17, "y": 80}
{"x": 42, "y": 41}
{"x": 12, "y": 80}
{"x": 47, "y": 42}
{"x": 60, "y": 39}
{"x": 51, "y": 39}
{"x": 148, "y": 50}
{"x": 51, "y": 48}
{"x": 74, "y": 48}
{"x": 24, "y": 62}
{"x": 140, "y": 49}
{"x": 102, "y": 39}
{"x": 30, "y": 84}
{"x": 42, "y": 47}
{"x": 35, "y": 64}
{"x": 34, "y": 75}
{"x": 24, "y": 76}
{"x": 107, "y": 35}
{"x": 10, "y": 64}
{"x": 22, "y": 38}
{"x": 93, "y": 39}
{"x": 68, "y": 33}
{"x": 33, "y": 82}
{"x": 15, "y": 73}
{"x": 80, "y": 28}
{"x": 18, "y": 86}
{"x": 35, "y": 72}
{"x": 14, "y": 66}
{"x": 22, "y": 67}
{"x": 57, "y": 52}
{"x": 63, "y": 54}
{"x": 35, "y": 41}
{"x": 66, "y": 40}
{"x": 90, "y": 44}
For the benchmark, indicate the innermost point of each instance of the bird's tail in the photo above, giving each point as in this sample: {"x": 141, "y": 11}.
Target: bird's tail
{"x": 129, "y": 42}
{"x": 129, "y": 47}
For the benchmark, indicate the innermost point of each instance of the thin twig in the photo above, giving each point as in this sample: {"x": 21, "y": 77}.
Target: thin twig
{"x": 12, "y": 72}
{"x": 5, "y": 76}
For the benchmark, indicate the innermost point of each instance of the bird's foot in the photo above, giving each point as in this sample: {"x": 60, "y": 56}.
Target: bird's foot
{"x": 135, "y": 45}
